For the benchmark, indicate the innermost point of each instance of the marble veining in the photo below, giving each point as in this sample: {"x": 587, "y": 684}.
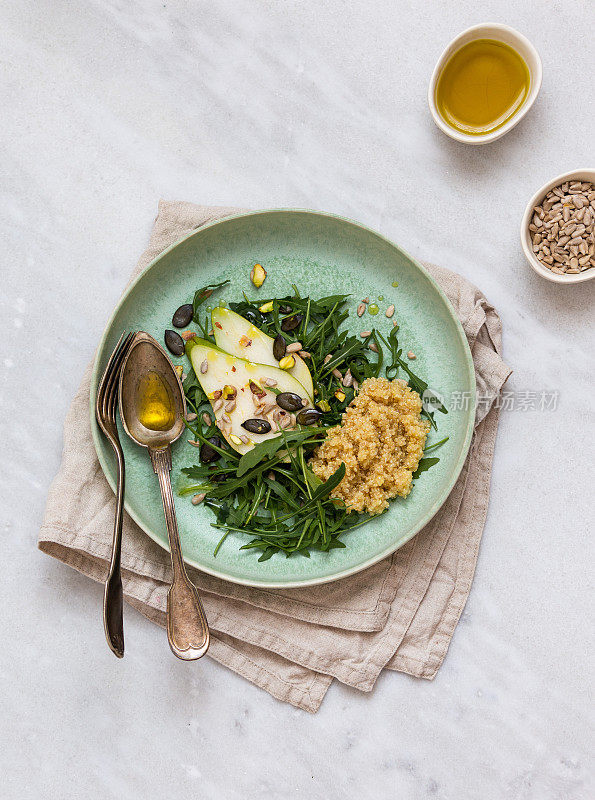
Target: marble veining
{"x": 109, "y": 106}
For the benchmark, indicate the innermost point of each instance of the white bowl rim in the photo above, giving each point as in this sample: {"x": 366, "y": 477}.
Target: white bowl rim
{"x": 588, "y": 173}
{"x": 536, "y": 71}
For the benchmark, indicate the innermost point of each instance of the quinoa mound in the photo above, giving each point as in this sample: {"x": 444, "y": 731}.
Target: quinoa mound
{"x": 380, "y": 440}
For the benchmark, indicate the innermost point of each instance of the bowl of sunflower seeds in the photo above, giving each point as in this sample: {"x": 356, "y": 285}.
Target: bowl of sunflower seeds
{"x": 558, "y": 228}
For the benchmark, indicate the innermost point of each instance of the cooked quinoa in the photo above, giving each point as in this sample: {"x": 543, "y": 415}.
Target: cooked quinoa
{"x": 380, "y": 440}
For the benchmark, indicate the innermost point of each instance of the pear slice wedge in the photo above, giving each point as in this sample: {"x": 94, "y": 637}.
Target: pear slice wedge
{"x": 240, "y": 338}
{"x": 217, "y": 370}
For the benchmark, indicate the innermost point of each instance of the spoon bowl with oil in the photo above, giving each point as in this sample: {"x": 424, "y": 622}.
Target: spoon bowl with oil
{"x": 152, "y": 409}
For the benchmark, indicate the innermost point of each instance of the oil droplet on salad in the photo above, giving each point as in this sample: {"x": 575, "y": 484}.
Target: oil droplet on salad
{"x": 395, "y": 284}
{"x": 373, "y": 309}
{"x": 482, "y": 86}
{"x": 381, "y": 297}
{"x": 155, "y": 403}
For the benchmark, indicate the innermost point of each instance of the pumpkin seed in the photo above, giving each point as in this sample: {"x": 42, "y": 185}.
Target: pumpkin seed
{"x": 291, "y": 323}
{"x": 174, "y": 343}
{"x": 289, "y": 401}
{"x": 279, "y": 347}
{"x": 257, "y": 426}
{"x": 207, "y": 453}
{"x": 183, "y": 316}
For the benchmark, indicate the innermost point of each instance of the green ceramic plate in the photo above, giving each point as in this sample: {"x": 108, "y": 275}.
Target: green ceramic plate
{"x": 321, "y": 254}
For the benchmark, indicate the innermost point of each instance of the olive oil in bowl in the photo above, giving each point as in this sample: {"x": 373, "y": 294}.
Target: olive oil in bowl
{"x": 482, "y": 85}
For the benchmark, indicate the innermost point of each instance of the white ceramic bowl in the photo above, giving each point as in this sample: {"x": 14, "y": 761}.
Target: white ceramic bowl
{"x": 526, "y": 242}
{"x": 501, "y": 33}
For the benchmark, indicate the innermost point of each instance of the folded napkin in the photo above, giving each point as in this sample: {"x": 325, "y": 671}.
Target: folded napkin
{"x": 399, "y": 614}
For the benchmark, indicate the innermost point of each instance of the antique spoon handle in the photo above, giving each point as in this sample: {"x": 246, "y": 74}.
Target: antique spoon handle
{"x": 187, "y": 628}
{"x": 112, "y": 598}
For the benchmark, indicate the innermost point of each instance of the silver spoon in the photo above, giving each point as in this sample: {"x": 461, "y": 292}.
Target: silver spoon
{"x": 152, "y": 408}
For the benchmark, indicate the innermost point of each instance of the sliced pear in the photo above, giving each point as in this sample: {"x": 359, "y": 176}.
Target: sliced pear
{"x": 216, "y": 370}
{"x": 240, "y": 338}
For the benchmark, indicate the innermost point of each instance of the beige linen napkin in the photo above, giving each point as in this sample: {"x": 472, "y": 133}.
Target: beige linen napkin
{"x": 399, "y": 614}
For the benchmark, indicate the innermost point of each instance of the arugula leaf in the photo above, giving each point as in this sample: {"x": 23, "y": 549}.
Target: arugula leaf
{"x": 312, "y": 480}
{"x": 203, "y": 294}
{"x": 424, "y": 465}
{"x": 268, "y": 448}
{"x": 331, "y": 483}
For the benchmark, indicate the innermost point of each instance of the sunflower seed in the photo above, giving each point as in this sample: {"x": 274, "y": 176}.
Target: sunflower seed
{"x": 561, "y": 227}
{"x": 198, "y": 498}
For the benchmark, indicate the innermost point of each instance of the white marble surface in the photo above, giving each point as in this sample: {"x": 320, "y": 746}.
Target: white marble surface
{"x": 108, "y": 106}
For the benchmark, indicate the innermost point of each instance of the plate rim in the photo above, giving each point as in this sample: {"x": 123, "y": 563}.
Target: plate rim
{"x": 436, "y": 506}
